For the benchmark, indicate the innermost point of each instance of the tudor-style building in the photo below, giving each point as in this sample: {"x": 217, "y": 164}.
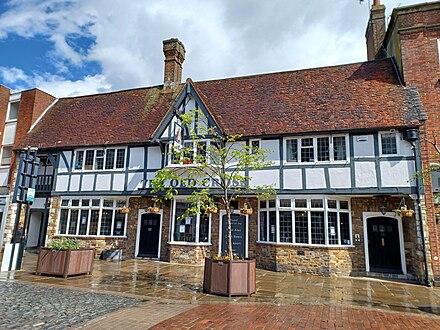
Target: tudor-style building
{"x": 344, "y": 146}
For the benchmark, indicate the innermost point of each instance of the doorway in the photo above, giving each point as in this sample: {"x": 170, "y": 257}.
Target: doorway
{"x": 384, "y": 248}
{"x": 149, "y": 235}
{"x": 239, "y": 235}
{"x": 36, "y": 236}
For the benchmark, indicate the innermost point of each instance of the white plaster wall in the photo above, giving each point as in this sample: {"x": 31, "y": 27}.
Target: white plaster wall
{"x": 136, "y": 158}
{"x": 315, "y": 178}
{"x": 365, "y": 174}
{"x": 118, "y": 182}
{"x": 292, "y": 178}
{"x": 340, "y": 177}
{"x": 405, "y": 148}
{"x": 38, "y": 203}
{"x": 62, "y": 166}
{"x": 272, "y": 148}
{"x": 397, "y": 173}
{"x": 87, "y": 182}
{"x": 363, "y": 148}
{"x": 154, "y": 158}
{"x": 62, "y": 182}
{"x": 103, "y": 182}
{"x": 4, "y": 174}
{"x": 74, "y": 182}
{"x": 265, "y": 177}
{"x": 9, "y": 133}
{"x": 134, "y": 181}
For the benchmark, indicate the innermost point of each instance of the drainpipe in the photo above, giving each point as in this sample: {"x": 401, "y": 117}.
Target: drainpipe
{"x": 411, "y": 135}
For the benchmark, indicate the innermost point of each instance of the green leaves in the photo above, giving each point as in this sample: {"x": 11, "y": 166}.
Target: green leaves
{"x": 64, "y": 243}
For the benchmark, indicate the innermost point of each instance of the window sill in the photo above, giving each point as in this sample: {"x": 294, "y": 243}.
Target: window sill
{"x": 189, "y": 243}
{"x": 88, "y": 236}
{"x": 338, "y": 162}
{"x": 313, "y": 246}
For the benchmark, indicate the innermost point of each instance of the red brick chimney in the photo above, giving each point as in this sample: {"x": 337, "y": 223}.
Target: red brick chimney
{"x": 375, "y": 31}
{"x": 174, "y": 52}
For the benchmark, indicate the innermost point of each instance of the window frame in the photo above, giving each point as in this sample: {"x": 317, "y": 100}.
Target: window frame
{"x": 195, "y": 150}
{"x": 2, "y": 154}
{"x": 104, "y": 157}
{"x": 197, "y": 226}
{"x": 308, "y": 209}
{"x": 8, "y": 119}
{"x": 397, "y": 139}
{"x": 90, "y": 208}
{"x": 331, "y": 149}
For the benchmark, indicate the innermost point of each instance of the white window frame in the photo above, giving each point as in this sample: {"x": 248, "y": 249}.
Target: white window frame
{"x": 197, "y": 238}
{"x": 254, "y": 140}
{"x": 69, "y": 207}
{"x": 1, "y": 156}
{"x": 194, "y": 147}
{"x": 9, "y": 111}
{"x": 307, "y": 209}
{"x": 315, "y": 149}
{"x": 398, "y": 138}
{"x": 84, "y": 150}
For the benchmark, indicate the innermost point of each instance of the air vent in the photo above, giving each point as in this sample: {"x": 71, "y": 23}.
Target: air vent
{"x": 436, "y": 180}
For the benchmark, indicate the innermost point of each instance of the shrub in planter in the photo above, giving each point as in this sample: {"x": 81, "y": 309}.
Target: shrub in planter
{"x": 64, "y": 257}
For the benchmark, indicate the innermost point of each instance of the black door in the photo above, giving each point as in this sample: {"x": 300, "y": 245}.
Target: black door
{"x": 238, "y": 224}
{"x": 149, "y": 235}
{"x": 384, "y": 245}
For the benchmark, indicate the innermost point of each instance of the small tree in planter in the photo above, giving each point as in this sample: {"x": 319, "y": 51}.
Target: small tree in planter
{"x": 215, "y": 170}
{"x": 65, "y": 257}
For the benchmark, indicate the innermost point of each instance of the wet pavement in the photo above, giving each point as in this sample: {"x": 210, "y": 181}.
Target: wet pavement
{"x": 173, "y": 288}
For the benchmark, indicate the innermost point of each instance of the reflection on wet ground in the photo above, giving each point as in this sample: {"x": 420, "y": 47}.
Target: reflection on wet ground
{"x": 181, "y": 283}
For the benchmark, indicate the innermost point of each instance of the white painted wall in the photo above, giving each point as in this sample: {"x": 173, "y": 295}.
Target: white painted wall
{"x": 62, "y": 182}
{"x": 154, "y": 158}
{"x": 363, "y": 145}
{"x": 397, "y": 173}
{"x": 62, "y": 167}
{"x": 272, "y": 148}
{"x": 265, "y": 177}
{"x": 74, "y": 182}
{"x": 87, "y": 182}
{"x": 340, "y": 177}
{"x": 136, "y": 159}
{"x": 134, "y": 181}
{"x": 315, "y": 178}
{"x": 103, "y": 182}
{"x": 292, "y": 178}
{"x": 118, "y": 182}
{"x": 365, "y": 174}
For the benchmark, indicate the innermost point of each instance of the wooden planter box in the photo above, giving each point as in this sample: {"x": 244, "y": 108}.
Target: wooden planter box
{"x": 236, "y": 278}
{"x": 65, "y": 262}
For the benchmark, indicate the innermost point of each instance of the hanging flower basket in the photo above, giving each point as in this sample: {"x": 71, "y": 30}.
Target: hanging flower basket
{"x": 404, "y": 212}
{"x": 153, "y": 209}
{"x": 246, "y": 211}
{"x": 124, "y": 210}
{"x": 212, "y": 209}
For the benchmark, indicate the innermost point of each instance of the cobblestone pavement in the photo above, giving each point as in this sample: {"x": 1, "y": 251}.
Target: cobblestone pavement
{"x": 293, "y": 317}
{"x": 29, "y": 306}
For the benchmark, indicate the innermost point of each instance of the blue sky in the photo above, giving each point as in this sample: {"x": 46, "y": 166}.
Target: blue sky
{"x": 82, "y": 47}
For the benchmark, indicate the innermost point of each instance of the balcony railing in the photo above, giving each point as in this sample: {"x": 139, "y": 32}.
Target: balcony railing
{"x": 44, "y": 183}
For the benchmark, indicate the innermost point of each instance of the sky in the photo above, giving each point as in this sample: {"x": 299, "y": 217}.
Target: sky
{"x": 79, "y": 47}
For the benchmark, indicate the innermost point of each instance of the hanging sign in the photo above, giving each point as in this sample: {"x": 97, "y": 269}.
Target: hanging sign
{"x": 30, "y": 197}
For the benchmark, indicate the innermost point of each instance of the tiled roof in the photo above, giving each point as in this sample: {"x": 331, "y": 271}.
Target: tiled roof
{"x": 346, "y": 97}
{"x": 128, "y": 116}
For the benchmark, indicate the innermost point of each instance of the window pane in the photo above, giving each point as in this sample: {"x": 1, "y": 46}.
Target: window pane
{"x": 204, "y": 228}
{"x": 332, "y": 228}
{"x": 301, "y": 227}
{"x": 323, "y": 145}
{"x": 331, "y": 203}
{"x": 65, "y": 202}
{"x": 6, "y": 156}
{"x": 272, "y": 203}
{"x": 119, "y": 225}
{"x": 272, "y": 226}
{"x": 292, "y": 150}
{"x": 307, "y": 152}
{"x": 389, "y": 144}
{"x": 317, "y": 227}
{"x": 343, "y": 205}
{"x": 110, "y": 159}
{"x": 286, "y": 227}
{"x": 99, "y": 161}
{"x": 120, "y": 203}
{"x": 63, "y": 221}
{"x": 79, "y": 160}
{"x": 106, "y": 222}
{"x": 184, "y": 229}
{"x": 263, "y": 204}
{"x": 263, "y": 226}
{"x": 73, "y": 222}
{"x": 300, "y": 202}
{"x": 108, "y": 202}
{"x": 85, "y": 202}
{"x": 95, "y": 202}
{"x": 13, "y": 110}
{"x": 188, "y": 152}
{"x": 75, "y": 202}
{"x": 317, "y": 203}
{"x": 285, "y": 203}
{"x": 88, "y": 164}
{"x": 345, "y": 228}
{"x": 339, "y": 148}
{"x": 255, "y": 145}
{"x": 83, "y": 222}
{"x": 120, "y": 158}
{"x": 94, "y": 217}
{"x": 201, "y": 151}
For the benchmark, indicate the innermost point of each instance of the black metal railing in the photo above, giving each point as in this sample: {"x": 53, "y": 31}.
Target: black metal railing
{"x": 44, "y": 183}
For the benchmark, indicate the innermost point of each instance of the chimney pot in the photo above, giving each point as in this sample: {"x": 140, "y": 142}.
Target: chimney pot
{"x": 174, "y": 52}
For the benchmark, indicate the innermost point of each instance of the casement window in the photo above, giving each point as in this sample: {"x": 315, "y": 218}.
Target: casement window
{"x": 388, "y": 143}
{"x": 255, "y": 145}
{"x": 100, "y": 159}
{"x": 316, "y": 149}
{"x": 306, "y": 221}
{"x": 6, "y": 156}
{"x": 92, "y": 217}
{"x": 194, "y": 228}
{"x": 13, "y": 111}
{"x": 192, "y": 150}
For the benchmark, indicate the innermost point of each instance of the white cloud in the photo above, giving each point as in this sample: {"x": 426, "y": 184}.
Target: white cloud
{"x": 222, "y": 37}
